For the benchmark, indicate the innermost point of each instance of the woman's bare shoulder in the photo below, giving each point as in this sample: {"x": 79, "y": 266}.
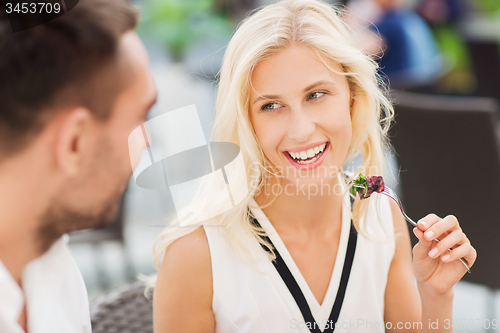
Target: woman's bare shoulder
{"x": 183, "y": 288}
{"x": 189, "y": 255}
{"x": 193, "y": 246}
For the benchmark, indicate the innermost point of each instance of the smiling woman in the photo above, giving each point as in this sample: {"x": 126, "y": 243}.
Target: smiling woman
{"x": 310, "y": 103}
{"x": 300, "y": 100}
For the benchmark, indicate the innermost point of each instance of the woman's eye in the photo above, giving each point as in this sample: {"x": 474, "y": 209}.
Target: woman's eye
{"x": 270, "y": 106}
{"x": 315, "y": 95}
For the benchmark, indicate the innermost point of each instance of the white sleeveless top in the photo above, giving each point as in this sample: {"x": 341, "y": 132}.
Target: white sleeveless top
{"x": 253, "y": 298}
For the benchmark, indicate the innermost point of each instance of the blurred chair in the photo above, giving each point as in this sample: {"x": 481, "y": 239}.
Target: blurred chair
{"x": 449, "y": 158}
{"x": 485, "y": 56}
{"x": 123, "y": 310}
{"x": 97, "y": 236}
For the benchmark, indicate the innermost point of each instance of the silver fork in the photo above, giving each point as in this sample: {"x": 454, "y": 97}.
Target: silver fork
{"x": 391, "y": 194}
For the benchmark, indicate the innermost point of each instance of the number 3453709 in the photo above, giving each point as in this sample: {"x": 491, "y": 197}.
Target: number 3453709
{"x": 33, "y": 8}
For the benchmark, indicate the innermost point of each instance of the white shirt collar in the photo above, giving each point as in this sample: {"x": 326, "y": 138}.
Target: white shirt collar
{"x": 56, "y": 295}
{"x": 11, "y": 301}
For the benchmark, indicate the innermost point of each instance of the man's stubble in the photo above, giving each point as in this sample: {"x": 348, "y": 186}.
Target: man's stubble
{"x": 61, "y": 218}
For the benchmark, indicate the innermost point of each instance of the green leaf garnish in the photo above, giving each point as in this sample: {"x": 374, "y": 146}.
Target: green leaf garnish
{"x": 362, "y": 185}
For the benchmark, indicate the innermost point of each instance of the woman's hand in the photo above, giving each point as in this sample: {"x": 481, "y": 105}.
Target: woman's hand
{"x": 435, "y": 267}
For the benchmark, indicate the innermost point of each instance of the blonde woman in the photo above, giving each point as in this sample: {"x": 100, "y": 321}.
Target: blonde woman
{"x": 299, "y": 100}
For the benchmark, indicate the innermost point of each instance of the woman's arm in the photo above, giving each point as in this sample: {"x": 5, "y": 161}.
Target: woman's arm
{"x": 435, "y": 277}
{"x": 402, "y": 301}
{"x": 182, "y": 300}
{"x": 437, "y": 269}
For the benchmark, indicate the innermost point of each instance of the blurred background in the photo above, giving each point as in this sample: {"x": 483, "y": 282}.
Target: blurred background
{"x": 441, "y": 59}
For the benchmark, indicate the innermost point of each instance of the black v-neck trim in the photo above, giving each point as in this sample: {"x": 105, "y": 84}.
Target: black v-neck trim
{"x": 295, "y": 290}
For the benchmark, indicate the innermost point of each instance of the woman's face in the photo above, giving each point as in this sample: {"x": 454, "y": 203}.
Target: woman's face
{"x": 299, "y": 106}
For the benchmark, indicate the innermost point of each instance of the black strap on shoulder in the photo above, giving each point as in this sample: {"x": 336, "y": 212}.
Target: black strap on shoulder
{"x": 295, "y": 290}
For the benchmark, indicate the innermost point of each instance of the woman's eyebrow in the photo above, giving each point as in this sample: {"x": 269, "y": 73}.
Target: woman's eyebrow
{"x": 319, "y": 83}
{"x": 266, "y": 97}
{"x": 309, "y": 87}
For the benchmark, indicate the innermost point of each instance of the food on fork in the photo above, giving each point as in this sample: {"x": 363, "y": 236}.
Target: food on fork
{"x": 365, "y": 186}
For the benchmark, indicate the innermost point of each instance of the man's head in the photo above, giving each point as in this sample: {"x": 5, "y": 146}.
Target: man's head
{"x": 72, "y": 91}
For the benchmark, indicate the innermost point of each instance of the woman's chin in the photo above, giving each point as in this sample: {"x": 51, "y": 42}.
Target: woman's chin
{"x": 313, "y": 186}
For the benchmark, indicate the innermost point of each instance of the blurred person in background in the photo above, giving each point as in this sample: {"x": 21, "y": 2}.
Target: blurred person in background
{"x": 437, "y": 12}
{"x": 400, "y": 39}
{"x": 72, "y": 91}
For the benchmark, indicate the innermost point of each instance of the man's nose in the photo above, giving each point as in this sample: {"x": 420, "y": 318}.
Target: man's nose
{"x": 301, "y": 125}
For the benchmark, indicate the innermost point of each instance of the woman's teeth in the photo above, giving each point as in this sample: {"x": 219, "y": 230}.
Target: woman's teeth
{"x": 309, "y": 156}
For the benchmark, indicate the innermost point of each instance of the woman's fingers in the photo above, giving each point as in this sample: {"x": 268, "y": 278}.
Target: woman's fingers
{"x": 454, "y": 239}
{"x": 422, "y": 248}
{"x": 465, "y": 251}
{"x": 427, "y": 222}
{"x": 435, "y": 227}
{"x": 451, "y": 237}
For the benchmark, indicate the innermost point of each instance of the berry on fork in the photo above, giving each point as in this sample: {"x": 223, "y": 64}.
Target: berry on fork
{"x": 365, "y": 186}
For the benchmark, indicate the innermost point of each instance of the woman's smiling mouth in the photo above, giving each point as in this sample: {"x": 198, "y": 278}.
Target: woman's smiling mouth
{"x": 307, "y": 158}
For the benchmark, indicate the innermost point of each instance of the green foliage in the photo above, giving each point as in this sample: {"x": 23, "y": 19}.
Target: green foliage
{"x": 492, "y": 6}
{"x": 177, "y": 24}
{"x": 452, "y": 46}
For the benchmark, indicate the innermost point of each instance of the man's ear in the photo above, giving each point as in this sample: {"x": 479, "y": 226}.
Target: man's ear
{"x": 72, "y": 140}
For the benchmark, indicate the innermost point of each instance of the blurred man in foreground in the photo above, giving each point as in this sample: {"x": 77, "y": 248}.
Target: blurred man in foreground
{"x": 72, "y": 91}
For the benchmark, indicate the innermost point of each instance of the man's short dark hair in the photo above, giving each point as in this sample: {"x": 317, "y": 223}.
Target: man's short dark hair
{"x": 66, "y": 62}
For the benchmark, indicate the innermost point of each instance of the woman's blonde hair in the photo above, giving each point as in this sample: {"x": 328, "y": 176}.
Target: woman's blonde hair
{"x": 267, "y": 31}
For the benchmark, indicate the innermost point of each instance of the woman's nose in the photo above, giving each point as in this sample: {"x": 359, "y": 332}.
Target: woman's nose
{"x": 301, "y": 125}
